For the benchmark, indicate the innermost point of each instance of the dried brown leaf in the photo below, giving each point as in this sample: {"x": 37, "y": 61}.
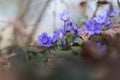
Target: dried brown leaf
{"x": 102, "y": 2}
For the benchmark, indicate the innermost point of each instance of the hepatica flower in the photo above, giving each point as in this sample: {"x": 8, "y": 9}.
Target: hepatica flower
{"x": 77, "y": 30}
{"x": 63, "y": 45}
{"x": 68, "y": 26}
{"x": 62, "y": 32}
{"x": 92, "y": 27}
{"x": 102, "y": 19}
{"x": 45, "y": 40}
{"x": 71, "y": 27}
{"x": 112, "y": 12}
{"x": 64, "y": 16}
{"x": 56, "y": 36}
{"x": 102, "y": 47}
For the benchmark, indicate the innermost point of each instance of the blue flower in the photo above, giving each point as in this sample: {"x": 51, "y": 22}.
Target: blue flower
{"x": 77, "y": 30}
{"x": 75, "y": 27}
{"x": 64, "y": 16}
{"x": 92, "y": 27}
{"x": 56, "y": 36}
{"x": 68, "y": 26}
{"x": 102, "y": 47}
{"x": 62, "y": 32}
{"x": 102, "y": 19}
{"x": 63, "y": 45}
{"x": 45, "y": 40}
{"x": 112, "y": 12}
{"x": 71, "y": 27}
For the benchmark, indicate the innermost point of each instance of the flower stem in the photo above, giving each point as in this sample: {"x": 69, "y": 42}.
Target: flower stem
{"x": 64, "y": 25}
{"x": 49, "y": 51}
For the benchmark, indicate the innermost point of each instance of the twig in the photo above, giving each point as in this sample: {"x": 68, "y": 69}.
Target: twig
{"x": 118, "y": 3}
{"x": 27, "y": 8}
{"x": 101, "y": 3}
{"x": 94, "y": 14}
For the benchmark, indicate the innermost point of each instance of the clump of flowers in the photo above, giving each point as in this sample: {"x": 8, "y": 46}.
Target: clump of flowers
{"x": 68, "y": 30}
{"x": 112, "y": 12}
{"x": 56, "y": 36}
{"x": 100, "y": 22}
{"x": 70, "y": 33}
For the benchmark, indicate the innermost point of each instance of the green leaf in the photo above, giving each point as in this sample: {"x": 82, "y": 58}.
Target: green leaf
{"x": 59, "y": 42}
{"x": 25, "y": 57}
{"x": 76, "y": 49}
{"x": 68, "y": 47}
{"x": 20, "y": 59}
{"x": 69, "y": 37}
{"x": 63, "y": 52}
{"x": 79, "y": 41}
{"x": 37, "y": 60}
{"x": 96, "y": 38}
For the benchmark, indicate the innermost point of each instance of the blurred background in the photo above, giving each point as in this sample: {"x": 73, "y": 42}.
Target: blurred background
{"x": 21, "y": 21}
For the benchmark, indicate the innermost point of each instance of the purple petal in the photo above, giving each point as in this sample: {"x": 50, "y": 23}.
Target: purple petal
{"x": 91, "y": 32}
{"x": 103, "y": 48}
{"x": 98, "y": 44}
{"x": 64, "y": 16}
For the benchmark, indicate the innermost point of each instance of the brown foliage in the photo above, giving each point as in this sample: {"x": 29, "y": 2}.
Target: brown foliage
{"x": 102, "y": 2}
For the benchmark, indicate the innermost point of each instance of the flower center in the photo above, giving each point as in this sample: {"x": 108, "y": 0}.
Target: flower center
{"x": 92, "y": 27}
{"x": 44, "y": 40}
